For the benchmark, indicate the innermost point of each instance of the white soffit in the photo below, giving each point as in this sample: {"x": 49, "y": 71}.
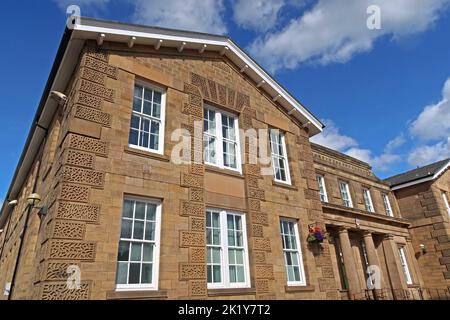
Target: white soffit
{"x": 100, "y": 30}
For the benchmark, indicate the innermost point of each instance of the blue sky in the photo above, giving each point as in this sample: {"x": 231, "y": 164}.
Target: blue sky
{"x": 383, "y": 94}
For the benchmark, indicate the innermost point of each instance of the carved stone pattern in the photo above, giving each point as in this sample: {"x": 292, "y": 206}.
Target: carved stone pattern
{"x": 242, "y": 101}
{"x": 260, "y": 257}
{"x": 88, "y": 100}
{"x": 57, "y": 271}
{"x": 197, "y": 255}
{"x": 200, "y": 82}
{"x": 197, "y": 288}
{"x": 196, "y": 101}
{"x": 87, "y": 144}
{"x": 327, "y": 272}
{"x": 262, "y": 244}
{"x": 231, "y": 97}
{"x": 257, "y": 230}
{"x": 97, "y": 54}
{"x": 76, "y": 250}
{"x": 262, "y": 285}
{"x": 326, "y": 284}
{"x": 191, "y": 89}
{"x": 96, "y": 89}
{"x": 196, "y": 194}
{"x": 190, "y": 180}
{"x": 212, "y": 90}
{"x": 222, "y": 90}
{"x": 197, "y": 168}
{"x": 192, "y": 239}
{"x": 61, "y": 292}
{"x": 256, "y": 193}
{"x": 93, "y": 115}
{"x": 83, "y": 176}
{"x": 189, "y": 128}
{"x": 79, "y": 158}
{"x": 190, "y": 271}
{"x": 253, "y": 169}
{"x": 252, "y": 182}
{"x": 77, "y": 211}
{"x": 264, "y": 271}
{"x": 261, "y": 218}
{"x": 74, "y": 193}
{"x": 197, "y": 224}
{"x": 189, "y": 108}
{"x": 101, "y": 66}
{"x": 192, "y": 209}
{"x": 69, "y": 230}
{"x": 92, "y": 75}
{"x": 254, "y": 204}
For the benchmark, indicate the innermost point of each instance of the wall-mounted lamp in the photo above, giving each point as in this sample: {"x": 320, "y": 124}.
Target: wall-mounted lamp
{"x": 33, "y": 199}
{"x": 423, "y": 248}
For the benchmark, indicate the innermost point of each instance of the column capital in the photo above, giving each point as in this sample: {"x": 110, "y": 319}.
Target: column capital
{"x": 342, "y": 229}
{"x": 389, "y": 236}
{"x": 366, "y": 233}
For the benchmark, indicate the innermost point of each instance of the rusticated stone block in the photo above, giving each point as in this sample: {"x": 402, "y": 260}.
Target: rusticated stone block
{"x": 190, "y": 271}
{"x": 82, "y": 176}
{"x": 259, "y": 217}
{"x": 197, "y": 224}
{"x": 326, "y": 284}
{"x": 196, "y": 194}
{"x": 74, "y": 193}
{"x": 260, "y": 257}
{"x": 262, "y": 244}
{"x": 78, "y": 211}
{"x": 252, "y": 181}
{"x": 83, "y": 143}
{"x": 254, "y": 205}
{"x": 78, "y": 158}
{"x": 222, "y": 91}
{"x": 93, "y": 75}
{"x": 97, "y": 54}
{"x": 189, "y": 108}
{"x": 262, "y": 285}
{"x": 72, "y": 250}
{"x": 191, "y": 89}
{"x": 200, "y": 82}
{"x": 264, "y": 272}
{"x": 197, "y": 255}
{"x": 89, "y": 100}
{"x": 197, "y": 288}
{"x": 197, "y": 168}
{"x": 97, "y": 90}
{"x": 190, "y": 180}
{"x": 192, "y": 209}
{"x": 253, "y": 170}
{"x": 192, "y": 239}
{"x": 212, "y": 90}
{"x": 68, "y": 230}
{"x": 57, "y": 271}
{"x": 101, "y": 66}
{"x": 62, "y": 292}
{"x": 327, "y": 272}
{"x": 231, "y": 97}
{"x": 256, "y": 193}
{"x": 93, "y": 115}
{"x": 257, "y": 230}
{"x": 242, "y": 100}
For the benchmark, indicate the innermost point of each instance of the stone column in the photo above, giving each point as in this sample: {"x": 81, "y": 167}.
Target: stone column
{"x": 394, "y": 267}
{"x": 372, "y": 255}
{"x": 349, "y": 262}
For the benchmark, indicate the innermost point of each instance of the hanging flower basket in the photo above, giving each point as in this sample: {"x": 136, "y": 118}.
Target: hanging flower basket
{"x": 316, "y": 235}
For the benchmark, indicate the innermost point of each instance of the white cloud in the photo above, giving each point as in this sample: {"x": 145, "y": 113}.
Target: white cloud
{"x": 193, "y": 15}
{"x": 434, "y": 121}
{"x": 433, "y": 125}
{"x": 332, "y": 138}
{"x": 259, "y": 15}
{"x": 427, "y": 154}
{"x": 63, "y": 4}
{"x": 334, "y": 32}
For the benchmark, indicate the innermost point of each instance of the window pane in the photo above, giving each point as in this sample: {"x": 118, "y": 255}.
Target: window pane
{"x": 134, "y": 122}
{"x": 138, "y": 91}
{"x": 148, "y": 94}
{"x": 150, "y": 231}
{"x": 144, "y": 140}
{"x": 134, "y": 137}
{"x": 135, "y": 271}
{"x": 125, "y": 231}
{"x": 216, "y": 274}
{"x": 128, "y": 209}
{"x": 136, "y": 252}
{"x": 239, "y": 256}
{"x": 146, "y": 273}
{"x": 157, "y": 97}
{"x": 122, "y": 271}
{"x": 209, "y": 274}
{"x": 147, "y": 109}
{"x": 138, "y": 230}
{"x": 240, "y": 274}
{"x": 148, "y": 252}
{"x": 156, "y": 110}
{"x": 151, "y": 212}
{"x": 231, "y": 256}
{"x": 140, "y": 210}
{"x": 137, "y": 104}
{"x": 215, "y": 220}
{"x": 232, "y": 274}
{"x": 124, "y": 251}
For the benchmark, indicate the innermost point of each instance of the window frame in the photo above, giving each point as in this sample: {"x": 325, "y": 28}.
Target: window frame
{"x": 387, "y": 205}
{"x": 347, "y": 189}
{"x": 220, "y": 139}
{"x": 446, "y": 203}
{"x": 321, "y": 181}
{"x": 156, "y": 250}
{"x": 405, "y": 265}
{"x": 284, "y": 157}
{"x": 224, "y": 247}
{"x": 162, "y": 119}
{"x": 299, "y": 250}
{"x": 367, "y": 196}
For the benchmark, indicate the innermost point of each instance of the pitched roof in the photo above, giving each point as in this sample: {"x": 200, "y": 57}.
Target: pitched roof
{"x": 419, "y": 175}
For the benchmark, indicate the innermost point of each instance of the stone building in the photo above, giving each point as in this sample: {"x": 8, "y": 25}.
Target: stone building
{"x": 423, "y": 197}
{"x": 105, "y": 204}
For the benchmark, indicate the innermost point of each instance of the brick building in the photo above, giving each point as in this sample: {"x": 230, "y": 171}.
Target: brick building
{"x": 423, "y": 197}
{"x": 124, "y": 220}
